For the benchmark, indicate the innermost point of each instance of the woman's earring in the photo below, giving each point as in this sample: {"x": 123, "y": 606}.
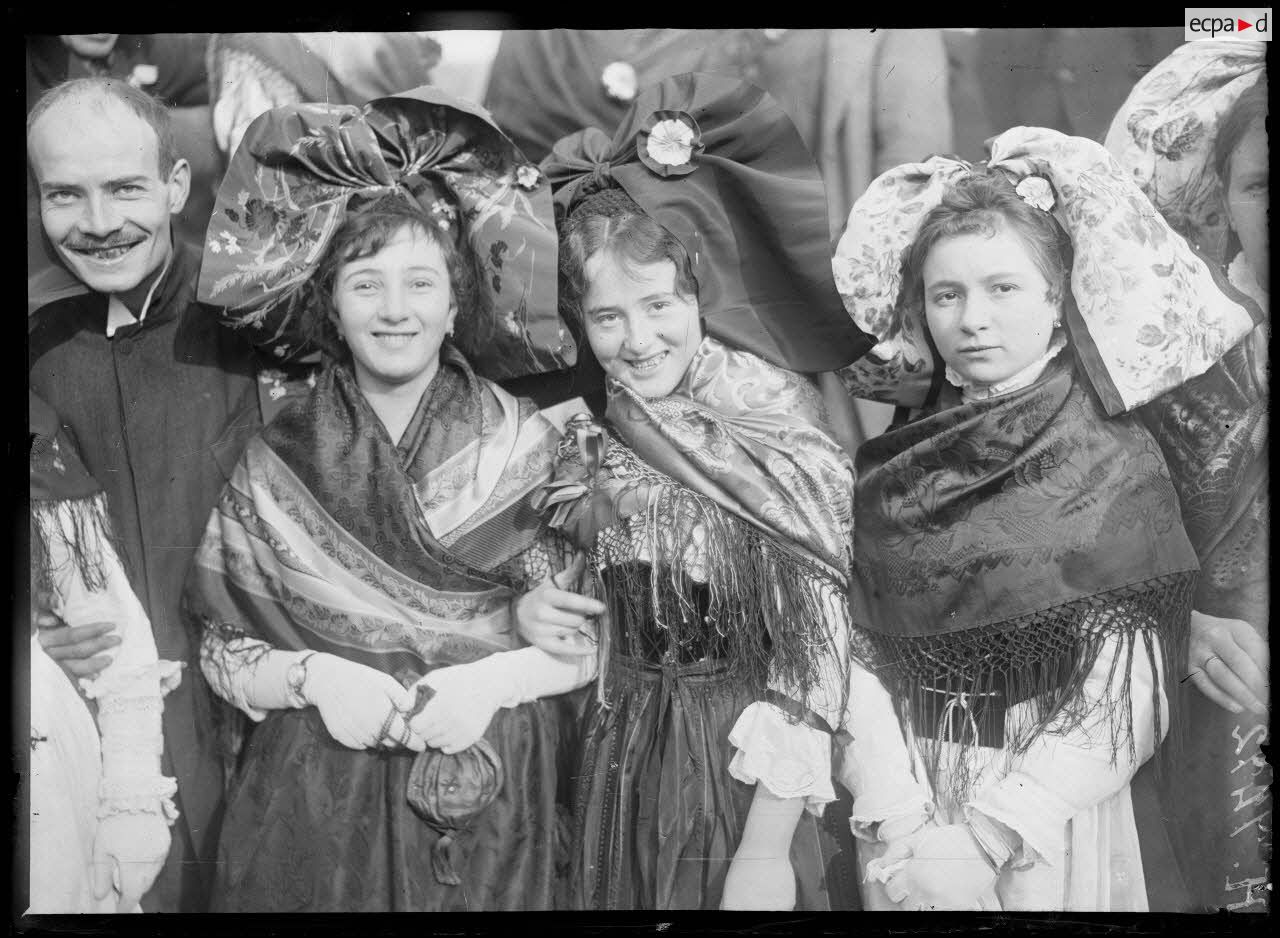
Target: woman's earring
{"x": 1057, "y": 324}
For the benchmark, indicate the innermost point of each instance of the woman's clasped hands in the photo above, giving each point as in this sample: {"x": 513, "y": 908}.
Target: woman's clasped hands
{"x": 449, "y": 708}
{"x": 937, "y": 867}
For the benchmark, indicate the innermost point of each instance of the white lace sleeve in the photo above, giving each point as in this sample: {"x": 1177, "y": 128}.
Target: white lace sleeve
{"x": 889, "y": 802}
{"x": 789, "y": 757}
{"x": 130, "y": 690}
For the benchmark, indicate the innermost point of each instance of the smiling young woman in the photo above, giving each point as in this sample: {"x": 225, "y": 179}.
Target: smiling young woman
{"x": 713, "y": 503}
{"x": 358, "y": 587}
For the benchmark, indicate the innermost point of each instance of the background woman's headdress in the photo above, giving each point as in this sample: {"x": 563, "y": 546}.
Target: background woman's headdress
{"x": 288, "y": 188}
{"x": 1165, "y": 131}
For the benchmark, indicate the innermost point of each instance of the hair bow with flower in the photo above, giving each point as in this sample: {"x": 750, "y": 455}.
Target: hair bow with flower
{"x": 1036, "y": 192}
{"x": 763, "y": 265}
{"x": 670, "y": 143}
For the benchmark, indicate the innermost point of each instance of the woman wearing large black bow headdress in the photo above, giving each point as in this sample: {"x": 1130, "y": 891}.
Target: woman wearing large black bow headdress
{"x": 714, "y": 503}
{"x": 358, "y": 581}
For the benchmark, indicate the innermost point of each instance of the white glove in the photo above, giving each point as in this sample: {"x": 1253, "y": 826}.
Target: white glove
{"x": 360, "y": 706}
{"x": 128, "y": 851}
{"x": 468, "y": 695}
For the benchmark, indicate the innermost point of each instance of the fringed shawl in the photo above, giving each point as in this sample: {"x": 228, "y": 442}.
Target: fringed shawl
{"x": 999, "y": 544}
{"x": 58, "y": 477}
{"x": 331, "y": 537}
{"x": 739, "y": 489}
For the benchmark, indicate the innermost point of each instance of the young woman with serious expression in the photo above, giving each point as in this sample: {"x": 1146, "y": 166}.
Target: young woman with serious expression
{"x": 987, "y": 305}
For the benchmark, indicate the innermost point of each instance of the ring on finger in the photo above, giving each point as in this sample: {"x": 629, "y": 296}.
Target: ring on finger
{"x": 1205, "y": 666}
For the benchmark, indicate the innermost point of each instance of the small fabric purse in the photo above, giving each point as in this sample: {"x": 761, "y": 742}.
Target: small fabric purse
{"x": 449, "y": 791}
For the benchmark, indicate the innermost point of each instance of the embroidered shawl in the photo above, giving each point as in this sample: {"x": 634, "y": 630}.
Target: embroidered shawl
{"x": 398, "y": 556}
{"x": 736, "y": 486}
{"x": 999, "y": 543}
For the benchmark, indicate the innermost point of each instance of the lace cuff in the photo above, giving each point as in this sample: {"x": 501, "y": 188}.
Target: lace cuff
{"x": 137, "y": 682}
{"x": 1002, "y": 845}
{"x": 888, "y": 819}
{"x": 1029, "y": 810}
{"x": 792, "y": 760}
{"x": 133, "y": 794}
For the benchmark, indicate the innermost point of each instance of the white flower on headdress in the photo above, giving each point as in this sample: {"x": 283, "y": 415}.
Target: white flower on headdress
{"x": 1036, "y": 192}
{"x": 671, "y": 142}
{"x": 444, "y": 213}
{"x": 620, "y": 82}
{"x": 232, "y": 246}
{"x": 214, "y": 246}
{"x": 527, "y": 176}
{"x": 143, "y": 75}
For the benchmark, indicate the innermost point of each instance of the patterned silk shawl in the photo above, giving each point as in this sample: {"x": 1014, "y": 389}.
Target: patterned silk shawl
{"x": 743, "y": 491}
{"x": 999, "y": 543}
{"x": 331, "y": 537}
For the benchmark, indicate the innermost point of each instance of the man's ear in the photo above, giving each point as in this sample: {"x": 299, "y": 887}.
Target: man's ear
{"x": 179, "y": 185}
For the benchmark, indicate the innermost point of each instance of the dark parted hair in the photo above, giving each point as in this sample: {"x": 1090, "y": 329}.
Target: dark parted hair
{"x": 981, "y": 203}
{"x": 611, "y": 221}
{"x": 1248, "y": 109}
{"x": 369, "y": 227}
{"x": 149, "y": 109}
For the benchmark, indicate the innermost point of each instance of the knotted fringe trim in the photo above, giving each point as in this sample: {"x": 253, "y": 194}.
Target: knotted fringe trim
{"x": 1043, "y": 660}
{"x": 80, "y": 525}
{"x": 766, "y": 619}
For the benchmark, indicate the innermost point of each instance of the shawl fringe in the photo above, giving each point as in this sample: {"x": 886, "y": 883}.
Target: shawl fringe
{"x": 1044, "y": 659}
{"x": 763, "y": 614}
{"x": 83, "y": 527}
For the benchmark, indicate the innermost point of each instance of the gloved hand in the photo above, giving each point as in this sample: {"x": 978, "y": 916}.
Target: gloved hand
{"x": 128, "y": 851}
{"x": 360, "y": 706}
{"x": 946, "y": 869}
{"x": 465, "y": 700}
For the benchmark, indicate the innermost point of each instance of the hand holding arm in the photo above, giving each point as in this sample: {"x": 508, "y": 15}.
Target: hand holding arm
{"x": 555, "y": 618}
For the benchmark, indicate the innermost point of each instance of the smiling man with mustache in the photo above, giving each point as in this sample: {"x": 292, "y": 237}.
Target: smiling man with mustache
{"x": 156, "y": 396}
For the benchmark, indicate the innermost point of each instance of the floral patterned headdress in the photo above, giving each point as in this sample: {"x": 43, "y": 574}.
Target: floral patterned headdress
{"x": 719, "y": 164}
{"x": 1164, "y": 133}
{"x": 288, "y": 189}
{"x": 1144, "y": 311}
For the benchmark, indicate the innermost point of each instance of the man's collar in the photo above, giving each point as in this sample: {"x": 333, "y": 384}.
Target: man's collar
{"x": 118, "y": 304}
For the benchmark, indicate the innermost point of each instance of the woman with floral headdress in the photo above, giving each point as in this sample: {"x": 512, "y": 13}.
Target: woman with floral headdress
{"x": 1022, "y": 576}
{"x": 1194, "y": 135}
{"x": 713, "y": 501}
{"x": 359, "y": 583}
